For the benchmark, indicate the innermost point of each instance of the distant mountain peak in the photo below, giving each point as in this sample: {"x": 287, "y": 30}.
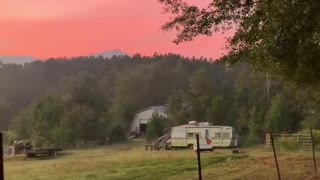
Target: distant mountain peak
{"x": 110, "y": 54}
{"x": 27, "y": 59}
{"x": 16, "y": 59}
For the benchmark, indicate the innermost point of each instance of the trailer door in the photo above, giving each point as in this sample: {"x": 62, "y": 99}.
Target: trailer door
{"x": 208, "y": 137}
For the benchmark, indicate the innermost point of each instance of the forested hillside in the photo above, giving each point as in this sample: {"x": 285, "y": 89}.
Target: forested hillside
{"x": 66, "y": 101}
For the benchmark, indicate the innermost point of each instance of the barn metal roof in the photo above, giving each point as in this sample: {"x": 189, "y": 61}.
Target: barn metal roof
{"x": 161, "y": 109}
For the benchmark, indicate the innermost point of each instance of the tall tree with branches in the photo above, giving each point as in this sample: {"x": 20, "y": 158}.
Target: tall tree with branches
{"x": 279, "y": 36}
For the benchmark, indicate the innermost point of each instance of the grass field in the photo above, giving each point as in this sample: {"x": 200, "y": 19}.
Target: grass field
{"x": 133, "y": 162}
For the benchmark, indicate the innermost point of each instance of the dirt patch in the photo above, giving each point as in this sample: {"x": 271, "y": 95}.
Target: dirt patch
{"x": 293, "y": 168}
{"x": 266, "y": 161}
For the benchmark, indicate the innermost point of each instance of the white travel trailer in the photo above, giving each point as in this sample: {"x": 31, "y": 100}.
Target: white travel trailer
{"x": 213, "y": 136}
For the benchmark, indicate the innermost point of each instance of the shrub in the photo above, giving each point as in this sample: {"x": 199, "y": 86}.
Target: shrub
{"x": 289, "y": 145}
{"x": 155, "y": 127}
{"x": 9, "y": 137}
{"x": 117, "y": 132}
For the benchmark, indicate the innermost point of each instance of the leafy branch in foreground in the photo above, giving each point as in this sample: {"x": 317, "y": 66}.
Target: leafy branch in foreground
{"x": 279, "y": 36}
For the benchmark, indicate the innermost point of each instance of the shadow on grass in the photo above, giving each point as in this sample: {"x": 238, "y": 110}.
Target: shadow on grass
{"x": 60, "y": 155}
{"x": 63, "y": 154}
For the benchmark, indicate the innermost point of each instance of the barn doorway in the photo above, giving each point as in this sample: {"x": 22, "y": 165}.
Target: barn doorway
{"x": 143, "y": 128}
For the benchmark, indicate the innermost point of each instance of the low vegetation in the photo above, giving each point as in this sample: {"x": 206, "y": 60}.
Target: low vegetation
{"x": 291, "y": 145}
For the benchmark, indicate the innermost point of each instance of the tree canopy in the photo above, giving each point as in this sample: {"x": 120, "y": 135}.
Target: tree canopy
{"x": 280, "y": 36}
{"x": 69, "y": 102}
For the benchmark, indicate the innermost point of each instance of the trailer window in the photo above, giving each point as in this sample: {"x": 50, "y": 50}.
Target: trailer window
{"x": 189, "y": 135}
{"x": 217, "y": 135}
{"x": 226, "y": 135}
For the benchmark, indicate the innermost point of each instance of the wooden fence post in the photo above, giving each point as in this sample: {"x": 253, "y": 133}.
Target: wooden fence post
{"x": 268, "y": 143}
{"x": 275, "y": 156}
{"x": 198, "y": 156}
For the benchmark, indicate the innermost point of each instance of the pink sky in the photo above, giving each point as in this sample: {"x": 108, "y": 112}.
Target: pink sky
{"x": 51, "y": 28}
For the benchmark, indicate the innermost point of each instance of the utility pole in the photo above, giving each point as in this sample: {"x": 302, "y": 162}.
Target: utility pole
{"x": 1, "y": 157}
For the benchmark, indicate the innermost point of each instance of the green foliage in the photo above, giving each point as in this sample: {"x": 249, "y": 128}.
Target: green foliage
{"x": 9, "y": 137}
{"x": 23, "y": 123}
{"x": 242, "y": 118}
{"x": 216, "y": 112}
{"x": 200, "y": 84}
{"x": 117, "y": 132}
{"x": 199, "y": 94}
{"x": 289, "y": 145}
{"x": 48, "y": 113}
{"x": 192, "y": 104}
{"x": 128, "y": 90}
{"x": 87, "y": 100}
{"x": 256, "y": 131}
{"x": 312, "y": 120}
{"x": 5, "y": 113}
{"x": 279, "y": 118}
{"x": 85, "y": 91}
{"x": 275, "y": 36}
{"x": 156, "y": 126}
{"x": 177, "y": 110}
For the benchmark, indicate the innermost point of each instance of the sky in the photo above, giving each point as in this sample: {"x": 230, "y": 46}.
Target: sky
{"x": 56, "y": 28}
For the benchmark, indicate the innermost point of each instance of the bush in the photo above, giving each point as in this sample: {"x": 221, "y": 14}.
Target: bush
{"x": 9, "y": 137}
{"x": 249, "y": 140}
{"x": 117, "y": 132}
{"x": 252, "y": 140}
{"x": 155, "y": 127}
{"x": 289, "y": 145}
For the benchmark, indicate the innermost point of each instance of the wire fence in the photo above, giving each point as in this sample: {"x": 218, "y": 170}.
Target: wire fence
{"x": 300, "y": 141}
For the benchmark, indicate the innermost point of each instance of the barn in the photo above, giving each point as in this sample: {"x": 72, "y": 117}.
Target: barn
{"x": 142, "y": 117}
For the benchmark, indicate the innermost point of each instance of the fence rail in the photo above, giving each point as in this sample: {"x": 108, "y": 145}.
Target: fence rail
{"x": 303, "y": 138}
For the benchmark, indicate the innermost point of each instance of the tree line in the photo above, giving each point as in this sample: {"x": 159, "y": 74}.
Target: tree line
{"x": 65, "y": 102}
